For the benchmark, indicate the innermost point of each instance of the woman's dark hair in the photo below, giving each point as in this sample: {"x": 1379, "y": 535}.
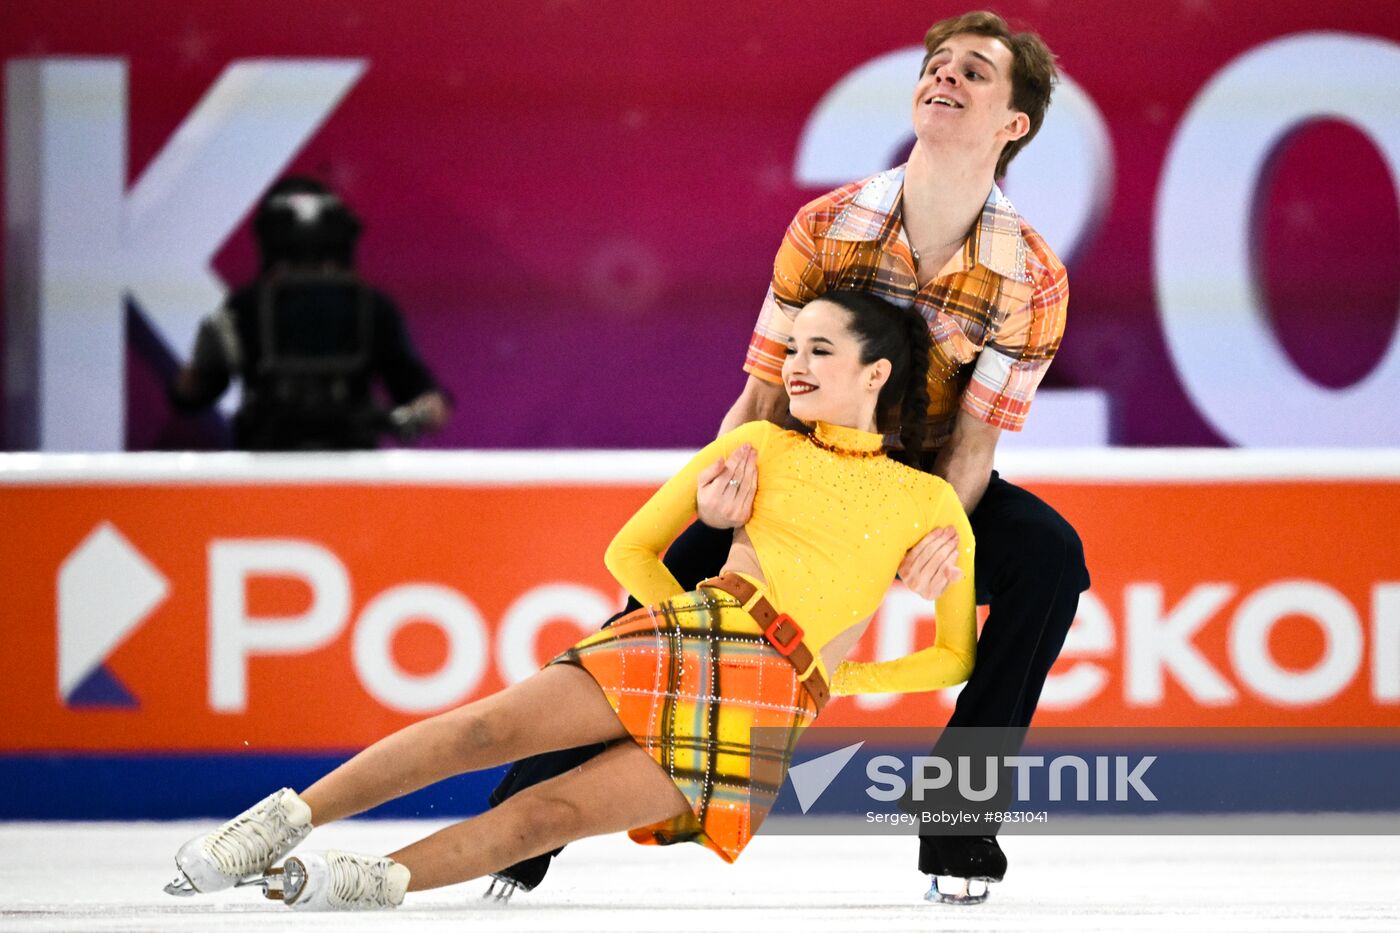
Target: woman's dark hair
{"x": 900, "y": 335}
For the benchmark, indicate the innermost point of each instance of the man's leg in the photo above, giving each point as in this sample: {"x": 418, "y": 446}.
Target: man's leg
{"x": 1030, "y": 568}
{"x": 699, "y": 553}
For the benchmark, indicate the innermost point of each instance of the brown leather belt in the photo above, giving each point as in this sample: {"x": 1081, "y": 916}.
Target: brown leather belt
{"x": 782, "y": 632}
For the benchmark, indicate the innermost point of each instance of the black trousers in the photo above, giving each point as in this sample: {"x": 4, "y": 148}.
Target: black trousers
{"x": 1029, "y": 570}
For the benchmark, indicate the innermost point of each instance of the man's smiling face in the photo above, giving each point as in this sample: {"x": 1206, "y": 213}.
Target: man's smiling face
{"x": 964, "y": 95}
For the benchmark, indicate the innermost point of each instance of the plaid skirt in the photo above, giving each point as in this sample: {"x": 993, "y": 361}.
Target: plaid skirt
{"x": 690, "y": 679}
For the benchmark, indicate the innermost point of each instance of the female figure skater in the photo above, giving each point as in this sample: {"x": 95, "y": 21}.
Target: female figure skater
{"x": 675, "y": 688}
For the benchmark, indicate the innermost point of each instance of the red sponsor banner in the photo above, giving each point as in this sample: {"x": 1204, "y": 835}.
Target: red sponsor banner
{"x": 300, "y": 614}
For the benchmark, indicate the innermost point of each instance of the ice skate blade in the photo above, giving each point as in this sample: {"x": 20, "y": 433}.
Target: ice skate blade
{"x": 271, "y": 884}
{"x": 960, "y": 892}
{"x": 181, "y": 886}
{"x": 502, "y": 896}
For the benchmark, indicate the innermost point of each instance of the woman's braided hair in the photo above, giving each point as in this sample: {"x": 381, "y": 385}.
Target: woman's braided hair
{"x": 900, "y": 335}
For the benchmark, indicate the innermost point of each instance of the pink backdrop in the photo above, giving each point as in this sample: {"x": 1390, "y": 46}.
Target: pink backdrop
{"x": 577, "y": 204}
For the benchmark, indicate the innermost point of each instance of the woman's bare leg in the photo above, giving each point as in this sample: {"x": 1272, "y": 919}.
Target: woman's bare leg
{"x": 614, "y": 791}
{"x": 560, "y": 707}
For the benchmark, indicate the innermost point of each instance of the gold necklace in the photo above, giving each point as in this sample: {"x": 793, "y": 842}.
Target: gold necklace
{"x": 842, "y": 451}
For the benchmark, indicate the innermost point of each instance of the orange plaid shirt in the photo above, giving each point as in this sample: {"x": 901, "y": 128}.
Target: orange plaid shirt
{"x": 995, "y": 313}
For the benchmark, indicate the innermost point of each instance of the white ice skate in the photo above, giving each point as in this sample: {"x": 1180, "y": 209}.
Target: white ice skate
{"x": 246, "y": 845}
{"x": 334, "y": 880}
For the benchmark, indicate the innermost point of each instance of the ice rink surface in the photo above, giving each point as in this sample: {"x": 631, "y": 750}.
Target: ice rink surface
{"x": 108, "y": 876}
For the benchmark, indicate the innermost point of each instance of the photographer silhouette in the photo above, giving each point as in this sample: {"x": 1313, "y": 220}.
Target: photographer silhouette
{"x": 308, "y": 338}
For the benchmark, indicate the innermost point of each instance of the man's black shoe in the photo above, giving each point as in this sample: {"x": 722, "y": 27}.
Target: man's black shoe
{"x": 962, "y": 867}
{"x": 970, "y": 857}
{"x": 522, "y": 876}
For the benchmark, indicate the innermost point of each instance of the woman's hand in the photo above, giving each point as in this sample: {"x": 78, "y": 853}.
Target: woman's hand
{"x": 724, "y": 490}
{"x": 932, "y": 565}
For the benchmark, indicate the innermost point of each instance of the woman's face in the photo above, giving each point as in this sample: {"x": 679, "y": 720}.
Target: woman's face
{"x": 823, "y": 374}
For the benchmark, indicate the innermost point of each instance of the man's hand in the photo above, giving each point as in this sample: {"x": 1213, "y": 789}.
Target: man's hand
{"x": 725, "y": 488}
{"x": 428, "y": 412}
{"x": 932, "y": 564}
{"x": 760, "y": 401}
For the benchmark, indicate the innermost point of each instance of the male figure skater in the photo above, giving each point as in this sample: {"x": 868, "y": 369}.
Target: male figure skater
{"x": 938, "y": 233}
